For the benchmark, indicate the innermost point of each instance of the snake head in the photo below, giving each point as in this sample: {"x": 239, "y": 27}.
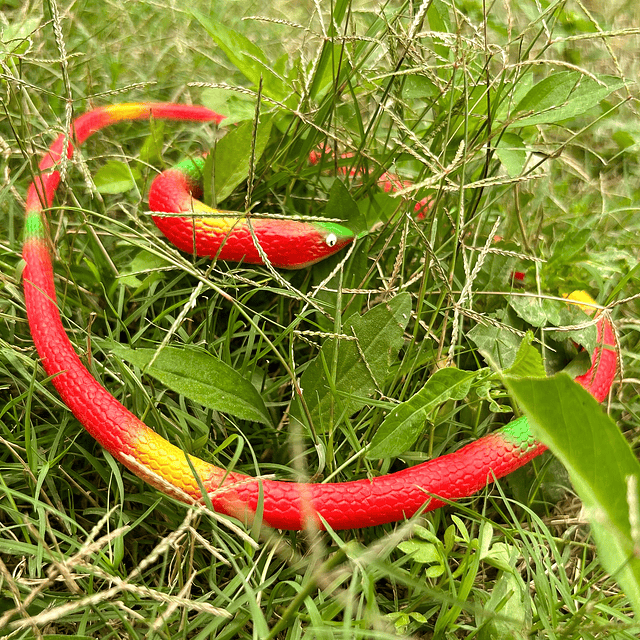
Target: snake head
{"x": 334, "y": 236}
{"x": 314, "y": 242}
{"x": 292, "y": 244}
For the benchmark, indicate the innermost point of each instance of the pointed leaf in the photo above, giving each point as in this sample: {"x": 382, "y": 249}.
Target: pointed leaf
{"x": 235, "y": 106}
{"x": 15, "y": 38}
{"x": 512, "y": 154}
{"x": 498, "y": 345}
{"x": 245, "y": 55}
{"x": 343, "y": 207}
{"x": 233, "y": 155}
{"x": 421, "y": 552}
{"x": 115, "y": 177}
{"x": 602, "y": 467}
{"x": 407, "y": 421}
{"x": 199, "y": 376}
{"x": 563, "y": 95}
{"x": 528, "y": 362}
{"x": 143, "y": 261}
{"x": 355, "y": 368}
{"x": 538, "y": 312}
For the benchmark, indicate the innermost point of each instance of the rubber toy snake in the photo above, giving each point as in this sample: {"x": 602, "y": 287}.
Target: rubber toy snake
{"x": 290, "y": 244}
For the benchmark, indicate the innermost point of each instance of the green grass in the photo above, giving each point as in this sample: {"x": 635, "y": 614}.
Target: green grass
{"x": 442, "y": 98}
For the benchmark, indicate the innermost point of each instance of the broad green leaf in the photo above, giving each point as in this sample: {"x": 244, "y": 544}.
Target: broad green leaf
{"x": 586, "y": 337}
{"x": 331, "y": 63}
{"x": 199, "y": 376}
{"x": 235, "y": 106}
{"x": 402, "y": 620}
{"x": 512, "y": 154}
{"x": 143, "y": 261}
{"x": 151, "y": 150}
{"x": 512, "y": 93}
{"x": 425, "y": 534}
{"x": 233, "y": 155}
{"x": 579, "y": 365}
{"x": 115, "y": 177}
{"x": 542, "y": 312}
{"x": 563, "y": 95}
{"x": 345, "y": 373}
{"x": 425, "y": 548}
{"x": 331, "y": 56}
{"x": 538, "y": 312}
{"x": 424, "y": 553}
{"x": 407, "y": 421}
{"x": 440, "y": 21}
{"x": 420, "y": 87}
{"x": 509, "y": 598}
{"x": 571, "y": 246}
{"x": 245, "y": 55}
{"x": 587, "y": 95}
{"x": 439, "y": 16}
{"x": 528, "y": 362}
{"x": 550, "y": 93}
{"x": 16, "y": 37}
{"x": 498, "y": 345}
{"x": 602, "y": 467}
{"x": 343, "y": 207}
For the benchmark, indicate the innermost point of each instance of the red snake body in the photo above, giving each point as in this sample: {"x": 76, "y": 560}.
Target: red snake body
{"x": 288, "y": 244}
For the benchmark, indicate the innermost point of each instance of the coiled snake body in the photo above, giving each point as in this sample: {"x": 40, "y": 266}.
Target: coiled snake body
{"x": 288, "y": 244}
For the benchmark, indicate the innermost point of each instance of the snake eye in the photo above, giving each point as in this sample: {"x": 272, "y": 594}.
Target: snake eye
{"x": 331, "y": 240}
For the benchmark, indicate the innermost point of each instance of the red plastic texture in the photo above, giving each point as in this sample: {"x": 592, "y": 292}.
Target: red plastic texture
{"x": 283, "y": 505}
